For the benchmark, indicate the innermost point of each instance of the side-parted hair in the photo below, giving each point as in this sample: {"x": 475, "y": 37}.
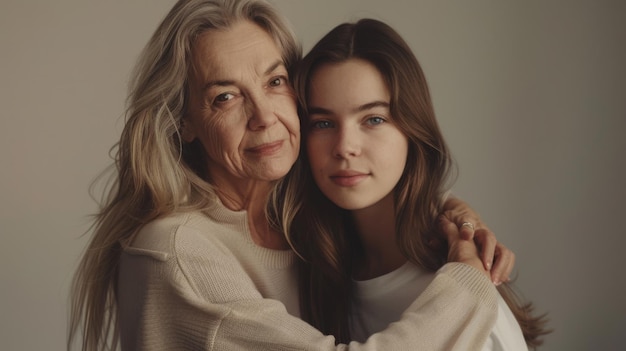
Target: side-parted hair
{"x": 322, "y": 233}
{"x": 155, "y": 172}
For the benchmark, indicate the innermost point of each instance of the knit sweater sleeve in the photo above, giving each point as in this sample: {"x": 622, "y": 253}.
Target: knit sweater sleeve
{"x": 198, "y": 297}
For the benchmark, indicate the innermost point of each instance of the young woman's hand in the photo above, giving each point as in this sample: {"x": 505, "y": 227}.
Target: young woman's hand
{"x": 496, "y": 258}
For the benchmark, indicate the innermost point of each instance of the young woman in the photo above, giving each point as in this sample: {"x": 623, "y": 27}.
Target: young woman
{"x": 368, "y": 188}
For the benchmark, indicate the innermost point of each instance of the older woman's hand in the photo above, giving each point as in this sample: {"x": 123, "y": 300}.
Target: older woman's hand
{"x": 460, "y": 249}
{"x": 496, "y": 257}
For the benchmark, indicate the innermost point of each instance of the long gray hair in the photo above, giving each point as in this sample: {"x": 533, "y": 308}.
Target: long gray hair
{"x": 155, "y": 172}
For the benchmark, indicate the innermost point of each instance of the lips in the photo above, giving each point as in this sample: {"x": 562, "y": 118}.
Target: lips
{"x": 348, "y": 178}
{"x": 267, "y": 148}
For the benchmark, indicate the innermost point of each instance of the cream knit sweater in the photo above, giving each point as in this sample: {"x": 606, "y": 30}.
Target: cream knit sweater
{"x": 198, "y": 282}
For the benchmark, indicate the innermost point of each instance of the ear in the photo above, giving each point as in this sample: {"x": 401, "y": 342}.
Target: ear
{"x": 187, "y": 130}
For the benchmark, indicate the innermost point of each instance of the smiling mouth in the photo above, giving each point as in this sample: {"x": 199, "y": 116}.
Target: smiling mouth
{"x": 266, "y": 149}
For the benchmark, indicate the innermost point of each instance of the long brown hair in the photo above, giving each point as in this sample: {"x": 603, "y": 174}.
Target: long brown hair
{"x": 322, "y": 233}
{"x": 155, "y": 173}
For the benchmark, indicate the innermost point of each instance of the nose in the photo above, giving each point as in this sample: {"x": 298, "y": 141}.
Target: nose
{"x": 348, "y": 143}
{"x": 261, "y": 112}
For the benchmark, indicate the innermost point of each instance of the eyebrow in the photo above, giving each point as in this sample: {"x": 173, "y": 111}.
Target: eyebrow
{"x": 226, "y": 82}
{"x": 314, "y": 110}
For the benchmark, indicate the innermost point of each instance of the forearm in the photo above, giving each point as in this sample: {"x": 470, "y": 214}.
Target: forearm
{"x": 200, "y": 298}
{"x": 456, "y": 312}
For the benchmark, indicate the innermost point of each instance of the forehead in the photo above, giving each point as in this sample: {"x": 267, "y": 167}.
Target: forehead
{"x": 239, "y": 49}
{"x": 352, "y": 81}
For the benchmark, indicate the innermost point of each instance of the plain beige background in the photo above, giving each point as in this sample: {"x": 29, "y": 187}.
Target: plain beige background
{"x": 531, "y": 96}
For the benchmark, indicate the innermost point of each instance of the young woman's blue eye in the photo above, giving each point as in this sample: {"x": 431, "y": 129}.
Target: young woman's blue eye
{"x": 375, "y": 121}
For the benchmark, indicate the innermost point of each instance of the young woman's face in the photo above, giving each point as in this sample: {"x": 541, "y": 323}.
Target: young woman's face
{"x": 241, "y": 106}
{"x": 356, "y": 152}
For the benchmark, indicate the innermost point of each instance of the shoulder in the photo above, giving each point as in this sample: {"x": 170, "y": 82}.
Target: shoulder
{"x": 507, "y": 332}
{"x": 165, "y": 237}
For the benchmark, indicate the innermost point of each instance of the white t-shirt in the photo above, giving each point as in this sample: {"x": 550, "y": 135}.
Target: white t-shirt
{"x": 381, "y": 301}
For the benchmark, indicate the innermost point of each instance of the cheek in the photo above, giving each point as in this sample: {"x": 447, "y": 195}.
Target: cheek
{"x": 394, "y": 154}
{"x": 221, "y": 138}
{"x": 400, "y": 156}
{"x": 285, "y": 106}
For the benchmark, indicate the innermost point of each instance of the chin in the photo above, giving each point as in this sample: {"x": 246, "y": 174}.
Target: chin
{"x": 348, "y": 205}
{"x": 275, "y": 169}
{"x": 275, "y": 174}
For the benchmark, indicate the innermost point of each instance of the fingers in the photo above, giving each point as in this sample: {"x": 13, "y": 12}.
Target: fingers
{"x": 464, "y": 251}
{"x": 495, "y": 256}
{"x": 466, "y": 219}
{"x": 466, "y": 229}
{"x": 503, "y": 264}
{"x": 460, "y": 250}
{"x": 496, "y": 259}
{"x": 486, "y": 241}
{"x": 448, "y": 228}
{"x": 472, "y": 228}
{"x": 465, "y": 225}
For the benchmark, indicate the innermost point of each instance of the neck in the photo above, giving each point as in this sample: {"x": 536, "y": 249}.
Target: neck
{"x": 376, "y": 228}
{"x": 252, "y": 196}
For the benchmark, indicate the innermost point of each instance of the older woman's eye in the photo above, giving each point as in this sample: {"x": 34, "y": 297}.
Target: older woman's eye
{"x": 277, "y": 81}
{"x": 224, "y": 97}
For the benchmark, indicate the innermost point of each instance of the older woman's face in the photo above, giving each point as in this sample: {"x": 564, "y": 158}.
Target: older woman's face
{"x": 241, "y": 106}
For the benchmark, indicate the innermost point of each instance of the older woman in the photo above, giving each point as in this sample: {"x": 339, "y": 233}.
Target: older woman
{"x": 183, "y": 255}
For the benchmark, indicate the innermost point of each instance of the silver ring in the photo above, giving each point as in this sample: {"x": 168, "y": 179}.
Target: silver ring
{"x": 467, "y": 224}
